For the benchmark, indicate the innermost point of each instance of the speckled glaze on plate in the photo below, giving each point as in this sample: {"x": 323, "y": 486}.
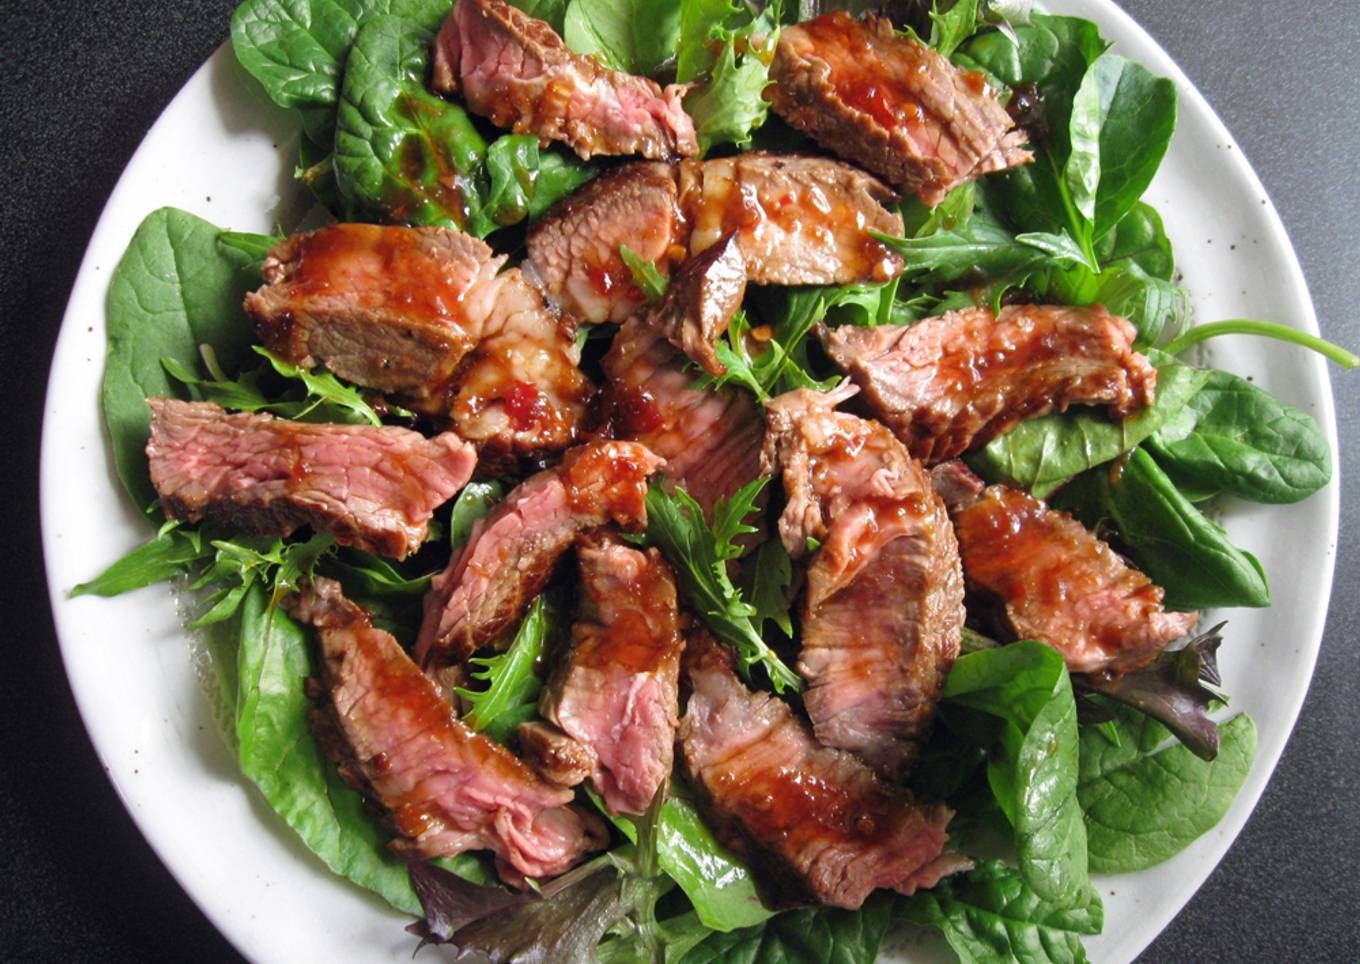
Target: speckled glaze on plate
{"x": 222, "y": 151}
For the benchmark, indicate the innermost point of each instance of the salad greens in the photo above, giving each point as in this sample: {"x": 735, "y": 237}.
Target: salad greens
{"x": 1080, "y": 774}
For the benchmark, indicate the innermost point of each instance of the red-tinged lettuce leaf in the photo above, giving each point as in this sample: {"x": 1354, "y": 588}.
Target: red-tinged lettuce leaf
{"x": 1178, "y": 690}
{"x": 565, "y": 921}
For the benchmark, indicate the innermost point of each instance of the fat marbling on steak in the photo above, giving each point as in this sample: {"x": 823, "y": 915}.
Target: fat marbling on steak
{"x": 373, "y": 487}
{"x": 515, "y": 70}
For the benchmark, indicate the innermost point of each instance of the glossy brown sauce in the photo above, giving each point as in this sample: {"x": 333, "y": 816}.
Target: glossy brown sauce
{"x": 872, "y": 73}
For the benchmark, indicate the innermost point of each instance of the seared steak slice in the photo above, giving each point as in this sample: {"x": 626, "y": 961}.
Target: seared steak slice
{"x": 447, "y": 788}
{"x": 390, "y": 308}
{"x": 521, "y": 392}
{"x": 374, "y": 487}
{"x": 816, "y": 823}
{"x": 882, "y": 614}
{"x": 516, "y": 71}
{"x": 710, "y": 439}
{"x": 1054, "y": 580}
{"x": 799, "y": 220}
{"x": 891, "y": 104}
{"x": 700, "y": 302}
{"x": 555, "y": 756}
{"x": 510, "y": 554}
{"x": 574, "y": 249}
{"x": 617, "y": 690}
{"x": 957, "y": 381}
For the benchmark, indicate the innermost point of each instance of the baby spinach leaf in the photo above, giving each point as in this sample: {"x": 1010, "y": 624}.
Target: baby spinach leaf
{"x": 297, "y": 48}
{"x": 1146, "y": 800}
{"x": 1033, "y": 772}
{"x": 551, "y": 11}
{"x": 475, "y": 501}
{"x": 512, "y": 684}
{"x": 176, "y": 288}
{"x": 279, "y": 755}
{"x": 699, "y": 554}
{"x": 401, "y": 153}
{"x": 1170, "y": 540}
{"x": 1121, "y": 125}
{"x": 1234, "y": 437}
{"x": 635, "y": 36}
{"x": 982, "y": 247}
{"x": 1138, "y": 238}
{"x": 1041, "y": 454}
{"x": 824, "y": 934}
{"x": 716, "y": 881}
{"x": 990, "y": 915}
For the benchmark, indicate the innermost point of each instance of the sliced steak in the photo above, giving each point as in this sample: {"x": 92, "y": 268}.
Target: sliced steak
{"x": 617, "y": 690}
{"x": 448, "y": 789}
{"x": 573, "y": 251}
{"x": 510, "y": 554}
{"x": 700, "y": 302}
{"x": 521, "y": 392}
{"x": 516, "y": 71}
{"x": 710, "y": 439}
{"x": 390, "y": 308}
{"x": 555, "y": 756}
{"x": 882, "y": 614}
{"x": 957, "y": 381}
{"x": 816, "y": 823}
{"x": 374, "y": 487}
{"x": 891, "y": 104}
{"x": 798, "y": 220}
{"x": 1053, "y": 580}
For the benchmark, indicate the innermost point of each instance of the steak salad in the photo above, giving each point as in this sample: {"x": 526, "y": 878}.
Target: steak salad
{"x": 720, "y": 475}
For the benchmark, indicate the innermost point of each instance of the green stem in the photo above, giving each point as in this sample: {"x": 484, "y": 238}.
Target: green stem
{"x": 1266, "y": 329}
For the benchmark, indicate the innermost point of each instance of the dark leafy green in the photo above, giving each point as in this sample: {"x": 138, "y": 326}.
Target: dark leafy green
{"x": 825, "y": 935}
{"x": 1042, "y": 454}
{"x": 1146, "y": 800}
{"x": 475, "y": 501}
{"x": 1170, "y": 540}
{"x": 699, "y": 554}
{"x": 296, "y": 49}
{"x": 279, "y": 755}
{"x": 990, "y": 915}
{"x": 1234, "y": 437}
{"x": 1121, "y": 124}
{"x": 954, "y": 26}
{"x": 767, "y": 581}
{"x": 176, "y": 288}
{"x": 635, "y": 36}
{"x": 1033, "y": 769}
{"x": 510, "y": 696}
{"x": 403, "y": 154}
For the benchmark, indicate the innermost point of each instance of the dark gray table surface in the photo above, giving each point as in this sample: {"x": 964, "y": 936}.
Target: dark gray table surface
{"x": 79, "y": 86}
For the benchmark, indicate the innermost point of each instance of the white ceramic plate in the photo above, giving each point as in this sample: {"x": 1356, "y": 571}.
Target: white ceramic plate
{"x": 222, "y": 151}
